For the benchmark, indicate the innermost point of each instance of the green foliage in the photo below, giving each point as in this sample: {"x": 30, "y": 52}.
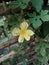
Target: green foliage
{"x": 35, "y": 20}
{"x": 1, "y": 21}
{"x": 41, "y": 48}
{"x": 37, "y": 4}
{"x": 44, "y": 15}
{"x": 42, "y": 51}
{"x": 19, "y": 3}
{"x": 38, "y": 18}
{"x": 36, "y": 23}
{"x": 24, "y": 3}
{"x": 3, "y": 40}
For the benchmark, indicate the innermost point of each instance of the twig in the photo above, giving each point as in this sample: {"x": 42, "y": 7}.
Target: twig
{"x": 7, "y": 56}
{"x": 8, "y": 43}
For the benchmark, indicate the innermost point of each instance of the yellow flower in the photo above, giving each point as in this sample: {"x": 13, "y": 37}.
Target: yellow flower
{"x": 23, "y": 32}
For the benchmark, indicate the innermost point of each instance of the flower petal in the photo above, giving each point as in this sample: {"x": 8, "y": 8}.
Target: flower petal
{"x": 27, "y": 37}
{"x": 20, "y": 39}
{"x": 16, "y": 31}
{"x": 30, "y": 32}
{"x": 24, "y": 25}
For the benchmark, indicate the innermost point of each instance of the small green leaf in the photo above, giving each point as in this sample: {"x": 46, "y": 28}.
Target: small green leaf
{"x": 37, "y": 4}
{"x": 42, "y": 51}
{"x": 44, "y": 12}
{"x": 36, "y": 23}
{"x": 44, "y": 60}
{"x": 4, "y": 40}
{"x": 14, "y": 4}
{"x": 1, "y": 22}
{"x": 24, "y": 61}
{"x": 45, "y": 17}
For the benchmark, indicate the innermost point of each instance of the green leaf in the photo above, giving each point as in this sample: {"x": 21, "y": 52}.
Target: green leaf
{"x": 38, "y": 46}
{"x": 37, "y": 4}
{"x": 36, "y": 23}
{"x": 14, "y": 4}
{"x": 24, "y": 62}
{"x": 35, "y": 20}
{"x": 1, "y": 22}
{"x": 9, "y": 35}
{"x": 45, "y": 17}
{"x": 44, "y": 60}
{"x": 42, "y": 51}
{"x": 44, "y": 12}
{"x": 4, "y": 40}
{"x": 19, "y": 3}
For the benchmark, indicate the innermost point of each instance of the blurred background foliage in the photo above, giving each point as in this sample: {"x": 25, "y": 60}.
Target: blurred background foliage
{"x": 36, "y": 12}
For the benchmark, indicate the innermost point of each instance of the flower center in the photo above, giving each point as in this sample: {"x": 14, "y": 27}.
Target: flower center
{"x": 22, "y": 32}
